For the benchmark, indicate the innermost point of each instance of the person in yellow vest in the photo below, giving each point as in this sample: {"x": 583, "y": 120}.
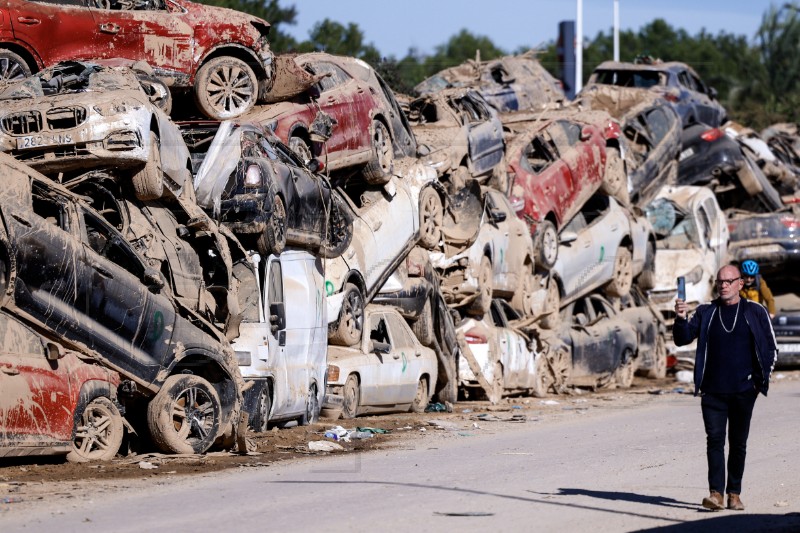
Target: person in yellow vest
{"x": 755, "y": 287}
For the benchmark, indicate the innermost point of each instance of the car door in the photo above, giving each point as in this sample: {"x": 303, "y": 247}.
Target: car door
{"x": 406, "y": 358}
{"x": 286, "y": 397}
{"x": 608, "y": 328}
{"x": 549, "y": 183}
{"x": 58, "y": 30}
{"x": 336, "y": 99}
{"x": 581, "y": 156}
{"x": 500, "y": 240}
{"x": 37, "y": 406}
{"x": 587, "y": 341}
{"x": 155, "y": 32}
{"x": 485, "y": 132}
{"x": 380, "y": 384}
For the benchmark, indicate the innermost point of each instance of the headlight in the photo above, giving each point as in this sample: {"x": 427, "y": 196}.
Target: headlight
{"x": 333, "y": 373}
{"x": 694, "y": 275}
{"x": 253, "y": 177}
{"x": 438, "y": 160}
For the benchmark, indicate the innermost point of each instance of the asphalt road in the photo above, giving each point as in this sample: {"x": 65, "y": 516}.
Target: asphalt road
{"x": 639, "y": 467}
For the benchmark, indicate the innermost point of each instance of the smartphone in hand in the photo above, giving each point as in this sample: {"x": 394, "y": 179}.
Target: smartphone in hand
{"x": 682, "y": 288}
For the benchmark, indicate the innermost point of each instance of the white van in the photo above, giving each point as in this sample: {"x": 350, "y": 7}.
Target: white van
{"x": 283, "y": 347}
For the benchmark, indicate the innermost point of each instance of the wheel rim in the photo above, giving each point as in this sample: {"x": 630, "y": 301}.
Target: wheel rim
{"x": 230, "y": 89}
{"x": 419, "y": 398}
{"x": 623, "y": 271}
{"x": 278, "y": 222}
{"x": 551, "y": 301}
{"x": 92, "y": 436}
{"x": 263, "y": 410}
{"x": 383, "y": 147}
{"x": 337, "y": 227}
{"x": 10, "y": 69}
{"x": 300, "y": 148}
{"x": 550, "y": 245}
{"x": 351, "y": 397}
{"x": 431, "y": 217}
{"x": 560, "y": 371}
{"x": 193, "y": 414}
{"x": 353, "y": 315}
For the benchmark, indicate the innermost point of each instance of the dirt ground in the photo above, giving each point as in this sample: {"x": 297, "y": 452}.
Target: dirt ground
{"x": 25, "y": 481}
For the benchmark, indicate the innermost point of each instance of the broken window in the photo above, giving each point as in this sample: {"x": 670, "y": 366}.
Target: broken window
{"x": 658, "y": 124}
{"x": 110, "y": 245}
{"x": 335, "y": 75}
{"x": 401, "y": 336}
{"x": 49, "y": 208}
{"x": 378, "y": 331}
{"x": 16, "y": 339}
{"x": 595, "y": 207}
{"x": 539, "y": 154}
{"x": 626, "y": 78}
{"x": 423, "y": 112}
{"x": 635, "y": 131}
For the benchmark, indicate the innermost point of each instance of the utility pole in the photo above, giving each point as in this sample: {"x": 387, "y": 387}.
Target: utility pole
{"x": 579, "y": 49}
{"x": 616, "y": 30}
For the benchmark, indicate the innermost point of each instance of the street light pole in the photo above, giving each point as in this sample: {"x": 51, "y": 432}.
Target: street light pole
{"x": 616, "y": 30}
{"x": 579, "y": 49}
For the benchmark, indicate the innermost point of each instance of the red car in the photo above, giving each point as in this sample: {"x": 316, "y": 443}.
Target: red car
{"x": 348, "y": 117}
{"x": 223, "y": 54}
{"x": 52, "y": 401}
{"x": 555, "y": 164}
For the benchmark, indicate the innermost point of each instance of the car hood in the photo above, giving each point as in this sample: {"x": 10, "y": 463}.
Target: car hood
{"x": 228, "y": 22}
{"x": 673, "y": 263}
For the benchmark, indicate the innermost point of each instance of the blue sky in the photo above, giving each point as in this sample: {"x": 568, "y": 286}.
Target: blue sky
{"x": 394, "y": 26}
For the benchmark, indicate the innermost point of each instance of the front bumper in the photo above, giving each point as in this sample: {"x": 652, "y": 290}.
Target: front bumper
{"x": 245, "y": 213}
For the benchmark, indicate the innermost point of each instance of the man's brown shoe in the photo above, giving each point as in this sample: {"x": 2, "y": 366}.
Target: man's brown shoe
{"x": 734, "y": 503}
{"x": 714, "y": 501}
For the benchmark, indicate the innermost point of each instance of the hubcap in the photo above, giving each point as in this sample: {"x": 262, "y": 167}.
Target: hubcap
{"x": 230, "y": 89}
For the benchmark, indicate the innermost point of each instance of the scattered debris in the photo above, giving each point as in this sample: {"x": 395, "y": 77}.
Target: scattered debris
{"x": 324, "y": 446}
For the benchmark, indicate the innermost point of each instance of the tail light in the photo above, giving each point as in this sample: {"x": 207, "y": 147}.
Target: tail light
{"x": 333, "y": 373}
{"x": 732, "y": 225}
{"x": 712, "y": 135}
{"x": 613, "y": 131}
{"x": 475, "y": 338}
{"x": 669, "y": 97}
{"x": 790, "y": 222}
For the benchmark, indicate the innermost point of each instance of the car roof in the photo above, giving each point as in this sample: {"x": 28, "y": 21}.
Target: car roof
{"x": 665, "y": 66}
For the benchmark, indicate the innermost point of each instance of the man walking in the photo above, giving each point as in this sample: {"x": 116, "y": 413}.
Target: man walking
{"x": 735, "y": 355}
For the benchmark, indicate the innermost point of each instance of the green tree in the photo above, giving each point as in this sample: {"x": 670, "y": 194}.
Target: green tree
{"x": 335, "y": 38}
{"x": 270, "y": 11}
{"x": 459, "y": 48}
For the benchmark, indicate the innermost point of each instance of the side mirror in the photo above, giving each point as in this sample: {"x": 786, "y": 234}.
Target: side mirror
{"x": 53, "y": 351}
{"x": 497, "y": 215}
{"x": 567, "y": 237}
{"x": 379, "y": 347}
{"x": 277, "y": 316}
{"x": 153, "y": 280}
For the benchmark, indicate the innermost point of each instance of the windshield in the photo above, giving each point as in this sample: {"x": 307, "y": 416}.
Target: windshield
{"x": 673, "y": 227}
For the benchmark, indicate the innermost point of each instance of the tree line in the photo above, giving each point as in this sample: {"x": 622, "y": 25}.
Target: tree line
{"x": 758, "y": 80}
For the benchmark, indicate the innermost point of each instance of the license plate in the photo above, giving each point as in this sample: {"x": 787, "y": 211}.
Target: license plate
{"x": 789, "y": 348}
{"x": 761, "y": 250}
{"x": 35, "y": 141}
{"x": 689, "y": 152}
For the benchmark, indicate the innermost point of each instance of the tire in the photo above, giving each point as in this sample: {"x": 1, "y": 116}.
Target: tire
{"x": 545, "y": 245}
{"x": 552, "y": 304}
{"x": 481, "y": 304}
{"x": 522, "y": 300}
{"x": 379, "y": 170}
{"x": 351, "y": 318}
{"x": 659, "y": 368}
{"x": 260, "y": 408}
{"x": 157, "y": 91}
{"x": 615, "y": 179}
{"x": 301, "y": 149}
{"x": 423, "y": 326}
{"x": 312, "y": 407}
{"x": 543, "y": 378}
{"x": 339, "y": 230}
{"x": 352, "y": 397}
{"x": 273, "y": 239}
{"x": 623, "y": 376}
{"x": 148, "y": 183}
{"x": 225, "y": 87}
{"x": 647, "y": 279}
{"x": 98, "y": 433}
{"x": 12, "y": 66}
{"x": 449, "y": 393}
{"x": 622, "y": 279}
{"x": 421, "y": 398}
{"x": 561, "y": 370}
{"x": 173, "y": 429}
{"x": 431, "y": 217}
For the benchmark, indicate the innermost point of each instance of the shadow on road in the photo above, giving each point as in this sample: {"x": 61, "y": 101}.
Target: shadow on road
{"x": 739, "y": 522}
{"x": 627, "y": 497}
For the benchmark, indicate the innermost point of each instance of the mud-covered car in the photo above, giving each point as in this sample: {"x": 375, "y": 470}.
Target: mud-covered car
{"x": 388, "y": 221}
{"x": 499, "y": 264}
{"x": 771, "y": 239}
{"x": 54, "y": 401}
{"x": 256, "y": 186}
{"x": 67, "y": 269}
{"x": 459, "y": 133}
{"x": 651, "y": 329}
{"x": 346, "y": 117}
{"x": 603, "y": 344}
{"x": 555, "y": 163}
{"x": 676, "y": 82}
{"x": 786, "y": 326}
{"x": 604, "y": 245}
{"x": 783, "y": 174}
{"x": 389, "y": 370}
{"x": 222, "y": 54}
{"x": 509, "y": 83}
{"x": 77, "y": 116}
{"x": 710, "y": 157}
{"x": 784, "y": 141}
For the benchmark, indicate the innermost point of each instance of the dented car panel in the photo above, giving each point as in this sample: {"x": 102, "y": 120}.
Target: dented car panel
{"x": 77, "y": 116}
{"x": 770, "y": 239}
{"x": 41, "y": 397}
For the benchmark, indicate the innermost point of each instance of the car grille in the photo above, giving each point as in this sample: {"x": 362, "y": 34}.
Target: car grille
{"x": 64, "y": 118}
{"x": 50, "y": 152}
{"x": 23, "y": 123}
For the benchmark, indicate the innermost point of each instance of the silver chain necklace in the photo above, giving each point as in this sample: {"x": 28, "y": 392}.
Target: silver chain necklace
{"x": 735, "y": 317}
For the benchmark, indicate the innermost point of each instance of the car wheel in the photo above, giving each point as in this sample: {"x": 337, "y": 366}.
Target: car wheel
{"x": 311, "y": 414}
{"x": 259, "y": 415}
{"x": 301, "y": 149}
{"x": 480, "y": 305}
{"x": 98, "y": 434}
{"x": 421, "y": 398}
{"x": 423, "y": 325}
{"x": 339, "y": 230}
{"x": 647, "y": 279}
{"x": 352, "y": 397}
{"x": 543, "y": 378}
{"x": 659, "y": 368}
{"x": 545, "y": 245}
{"x": 615, "y": 179}
{"x": 157, "y": 91}
{"x": 449, "y": 392}
{"x": 622, "y": 279}
{"x": 148, "y": 183}
{"x": 561, "y": 369}
{"x": 522, "y": 300}
{"x": 552, "y": 304}
{"x": 273, "y": 239}
{"x": 431, "y": 215}
{"x": 185, "y": 415}
{"x": 12, "y": 66}
{"x": 351, "y": 318}
{"x": 225, "y": 87}
{"x": 379, "y": 170}
{"x": 623, "y": 376}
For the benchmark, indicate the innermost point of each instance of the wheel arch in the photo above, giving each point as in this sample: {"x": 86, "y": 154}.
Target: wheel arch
{"x": 91, "y": 390}
{"x": 27, "y": 53}
{"x": 237, "y": 51}
{"x": 212, "y": 370}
